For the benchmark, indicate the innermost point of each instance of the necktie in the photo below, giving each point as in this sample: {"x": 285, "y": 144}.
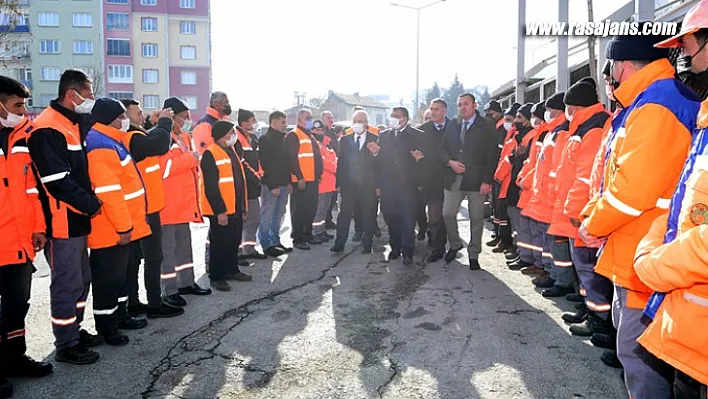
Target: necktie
{"x": 358, "y": 142}
{"x": 465, "y": 126}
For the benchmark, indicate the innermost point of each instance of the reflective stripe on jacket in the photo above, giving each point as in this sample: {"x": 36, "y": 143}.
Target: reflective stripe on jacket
{"x": 180, "y": 180}
{"x": 227, "y": 186}
{"x": 525, "y": 178}
{"x": 150, "y": 169}
{"x": 306, "y": 156}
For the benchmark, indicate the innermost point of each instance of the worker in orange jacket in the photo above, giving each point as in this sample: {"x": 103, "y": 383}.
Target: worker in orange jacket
{"x": 327, "y": 186}
{"x": 651, "y": 134}
{"x": 502, "y": 176}
{"x": 493, "y": 112}
{"x": 180, "y": 179}
{"x": 116, "y": 181}
{"x": 219, "y": 109}
{"x": 672, "y": 258}
{"x": 22, "y": 234}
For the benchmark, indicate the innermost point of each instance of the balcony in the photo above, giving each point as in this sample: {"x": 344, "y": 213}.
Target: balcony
{"x": 14, "y": 29}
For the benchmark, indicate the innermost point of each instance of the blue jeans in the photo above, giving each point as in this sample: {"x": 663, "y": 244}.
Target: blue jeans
{"x": 272, "y": 213}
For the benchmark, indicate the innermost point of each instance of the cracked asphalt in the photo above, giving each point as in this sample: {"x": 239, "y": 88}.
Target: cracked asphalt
{"x": 313, "y": 325}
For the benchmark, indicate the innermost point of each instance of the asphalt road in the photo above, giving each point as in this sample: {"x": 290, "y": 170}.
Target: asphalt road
{"x": 313, "y": 325}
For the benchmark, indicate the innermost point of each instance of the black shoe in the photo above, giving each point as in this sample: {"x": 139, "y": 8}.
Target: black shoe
{"x": 578, "y": 317}
{"x": 174, "y": 300}
{"x": 357, "y": 237}
{"x": 434, "y": 257}
{"x": 546, "y": 282}
{"x": 78, "y": 354}
{"x": 302, "y": 246}
{"x": 474, "y": 264}
{"x": 330, "y": 225}
{"x": 28, "y": 368}
{"x": 511, "y": 255}
{"x": 337, "y": 250}
{"x": 316, "y": 240}
{"x": 407, "y": 260}
{"x": 557, "y": 292}
{"x": 574, "y": 297}
{"x": 377, "y": 232}
{"x": 366, "y": 250}
{"x": 137, "y": 309}
{"x": 283, "y": 248}
{"x": 451, "y": 255}
{"x": 421, "y": 235}
{"x": 255, "y": 255}
{"x": 164, "y": 311}
{"x": 606, "y": 341}
{"x": 194, "y": 289}
{"x": 133, "y": 323}
{"x": 518, "y": 265}
{"x": 500, "y": 248}
{"x": 393, "y": 255}
{"x": 243, "y": 262}
{"x": 330, "y": 236}
{"x": 90, "y": 340}
{"x": 116, "y": 339}
{"x": 238, "y": 277}
{"x": 273, "y": 252}
{"x": 6, "y": 390}
{"x": 593, "y": 324}
{"x": 221, "y": 285}
{"x": 495, "y": 241}
{"x": 611, "y": 360}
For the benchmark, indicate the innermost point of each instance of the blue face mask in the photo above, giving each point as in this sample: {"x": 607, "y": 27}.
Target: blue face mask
{"x": 308, "y": 125}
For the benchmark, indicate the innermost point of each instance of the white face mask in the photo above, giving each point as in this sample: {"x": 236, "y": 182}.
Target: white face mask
{"x": 254, "y": 128}
{"x": 231, "y": 141}
{"x": 124, "y": 125}
{"x": 507, "y": 126}
{"x": 12, "y": 119}
{"x": 535, "y": 122}
{"x": 395, "y": 122}
{"x": 358, "y": 128}
{"x": 85, "y": 107}
{"x": 568, "y": 116}
{"x": 547, "y": 117}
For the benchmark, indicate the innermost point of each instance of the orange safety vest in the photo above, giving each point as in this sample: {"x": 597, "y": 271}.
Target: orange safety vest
{"x": 227, "y": 186}
{"x": 21, "y": 214}
{"x": 152, "y": 178}
{"x": 49, "y": 118}
{"x": 180, "y": 180}
{"x": 306, "y": 156}
{"x": 504, "y": 166}
{"x": 116, "y": 181}
{"x": 246, "y": 146}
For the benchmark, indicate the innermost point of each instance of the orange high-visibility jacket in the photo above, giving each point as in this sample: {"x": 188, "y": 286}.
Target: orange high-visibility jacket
{"x": 329, "y": 167}
{"x": 152, "y": 178}
{"x": 180, "y": 179}
{"x": 306, "y": 156}
{"x": 649, "y": 149}
{"x": 116, "y": 181}
{"x": 574, "y": 169}
{"x": 504, "y": 167}
{"x": 202, "y": 129}
{"x": 21, "y": 214}
{"x": 227, "y": 186}
{"x": 524, "y": 180}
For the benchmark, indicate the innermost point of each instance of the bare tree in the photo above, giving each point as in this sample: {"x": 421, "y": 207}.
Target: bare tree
{"x": 98, "y": 77}
{"x": 10, "y": 15}
{"x": 591, "y": 46}
{"x": 316, "y": 102}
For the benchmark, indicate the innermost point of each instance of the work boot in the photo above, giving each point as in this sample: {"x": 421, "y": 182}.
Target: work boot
{"x": 27, "y": 367}
{"x": 533, "y": 269}
{"x": 518, "y": 265}
{"x": 578, "y": 317}
{"x": 574, "y": 297}
{"x": 356, "y": 237}
{"x": 316, "y": 240}
{"x": 546, "y": 282}
{"x": 393, "y": 255}
{"x": 451, "y": 255}
{"x": 611, "y": 360}
{"x": 273, "y": 252}
{"x": 78, "y": 354}
{"x": 221, "y": 285}
{"x": 133, "y": 323}
{"x": 116, "y": 339}
{"x": 304, "y": 246}
{"x": 254, "y": 255}
{"x": 242, "y": 262}
{"x": 433, "y": 257}
{"x": 556, "y": 291}
{"x": 501, "y": 247}
{"x": 90, "y": 340}
{"x": 474, "y": 264}
{"x": 194, "y": 289}
{"x": 174, "y": 300}
{"x": 6, "y": 390}
{"x": 606, "y": 341}
{"x": 544, "y": 274}
{"x": 283, "y": 248}
{"x": 137, "y": 309}
{"x": 337, "y": 250}
{"x": 164, "y": 311}
{"x": 593, "y": 324}
{"x": 495, "y": 241}
{"x": 238, "y": 277}
{"x": 512, "y": 254}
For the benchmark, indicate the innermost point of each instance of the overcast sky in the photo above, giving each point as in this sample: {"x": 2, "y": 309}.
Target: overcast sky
{"x": 264, "y": 50}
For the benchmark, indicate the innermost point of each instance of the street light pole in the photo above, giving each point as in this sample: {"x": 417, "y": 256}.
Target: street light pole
{"x": 417, "y": 49}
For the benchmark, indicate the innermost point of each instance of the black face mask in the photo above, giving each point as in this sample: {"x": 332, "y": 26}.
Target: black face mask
{"x": 489, "y": 116}
{"x": 227, "y": 110}
{"x": 615, "y": 83}
{"x": 519, "y": 125}
{"x": 696, "y": 81}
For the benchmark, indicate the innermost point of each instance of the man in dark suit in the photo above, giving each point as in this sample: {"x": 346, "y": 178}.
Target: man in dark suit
{"x": 469, "y": 155}
{"x": 355, "y": 181}
{"x": 432, "y": 171}
{"x": 398, "y": 180}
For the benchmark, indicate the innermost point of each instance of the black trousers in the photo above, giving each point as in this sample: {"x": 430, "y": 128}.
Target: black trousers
{"x": 399, "y": 210}
{"x": 421, "y": 218}
{"x": 437, "y": 234}
{"x": 131, "y": 282}
{"x": 332, "y": 207}
{"x": 224, "y": 242}
{"x": 364, "y": 201}
{"x": 150, "y": 248}
{"x": 686, "y": 387}
{"x": 109, "y": 267}
{"x": 303, "y": 207}
{"x": 504, "y": 224}
{"x": 495, "y": 205}
{"x": 15, "y": 284}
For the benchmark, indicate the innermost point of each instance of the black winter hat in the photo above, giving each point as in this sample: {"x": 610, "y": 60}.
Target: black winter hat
{"x": 220, "y": 129}
{"x": 244, "y": 115}
{"x": 511, "y": 111}
{"x": 176, "y": 104}
{"x": 639, "y": 47}
{"x": 581, "y": 94}
{"x": 318, "y": 124}
{"x": 539, "y": 110}
{"x": 106, "y": 110}
{"x": 525, "y": 110}
{"x": 556, "y": 101}
{"x": 493, "y": 106}
{"x": 589, "y": 80}
{"x": 606, "y": 69}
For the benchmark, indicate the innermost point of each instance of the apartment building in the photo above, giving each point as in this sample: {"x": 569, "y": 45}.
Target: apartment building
{"x": 15, "y": 41}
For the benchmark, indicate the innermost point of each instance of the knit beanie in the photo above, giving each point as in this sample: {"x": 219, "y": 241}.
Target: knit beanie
{"x": 581, "y": 94}
{"x": 106, "y": 110}
{"x": 493, "y": 106}
{"x": 176, "y": 104}
{"x": 525, "y": 110}
{"x": 589, "y": 80}
{"x": 511, "y": 111}
{"x": 556, "y": 101}
{"x": 244, "y": 115}
{"x": 220, "y": 129}
{"x": 539, "y": 110}
{"x": 639, "y": 47}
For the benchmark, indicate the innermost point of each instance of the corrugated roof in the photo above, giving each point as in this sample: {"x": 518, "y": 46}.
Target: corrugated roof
{"x": 356, "y": 99}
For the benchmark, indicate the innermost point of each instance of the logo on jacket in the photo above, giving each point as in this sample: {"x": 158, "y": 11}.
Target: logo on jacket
{"x": 698, "y": 214}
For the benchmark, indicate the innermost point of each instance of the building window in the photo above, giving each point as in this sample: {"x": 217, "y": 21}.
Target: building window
{"x": 49, "y": 46}
{"x": 14, "y": 19}
{"x": 189, "y": 78}
{"x": 191, "y": 101}
{"x": 82, "y": 20}
{"x": 45, "y": 99}
{"x": 187, "y": 3}
{"x": 48, "y": 19}
{"x": 150, "y": 76}
{"x": 121, "y": 95}
{"x": 148, "y": 2}
{"x": 149, "y": 50}
{"x": 149, "y": 24}
{"x": 83, "y": 47}
{"x": 51, "y": 74}
{"x": 120, "y": 74}
{"x": 119, "y": 47}
{"x": 118, "y": 1}
{"x": 188, "y": 52}
{"x": 187, "y": 27}
{"x": 117, "y": 21}
{"x": 151, "y": 101}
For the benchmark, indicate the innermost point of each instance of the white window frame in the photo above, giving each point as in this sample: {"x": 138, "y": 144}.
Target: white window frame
{"x": 82, "y": 15}
{"x": 192, "y": 101}
{"x": 88, "y": 44}
{"x": 121, "y": 95}
{"x": 44, "y": 22}
{"x": 182, "y": 50}
{"x": 149, "y": 3}
{"x": 143, "y": 20}
{"x": 183, "y": 24}
{"x": 148, "y": 101}
{"x": 150, "y": 72}
{"x": 50, "y": 74}
{"x": 45, "y": 41}
{"x": 187, "y": 3}
{"x": 149, "y": 54}
{"x": 188, "y": 81}
{"x": 124, "y": 2}
{"x": 120, "y": 73}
